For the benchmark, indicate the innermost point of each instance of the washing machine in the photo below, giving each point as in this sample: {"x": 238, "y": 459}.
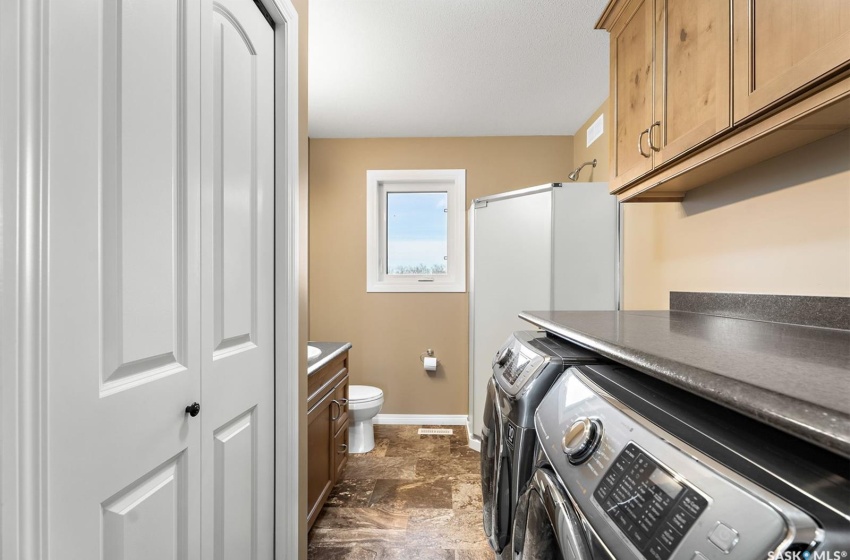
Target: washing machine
{"x": 523, "y": 370}
{"x": 629, "y": 467}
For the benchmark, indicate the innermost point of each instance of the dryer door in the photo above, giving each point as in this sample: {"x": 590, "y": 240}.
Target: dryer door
{"x": 495, "y": 474}
{"x": 488, "y": 457}
{"x": 546, "y": 525}
{"x": 502, "y": 506}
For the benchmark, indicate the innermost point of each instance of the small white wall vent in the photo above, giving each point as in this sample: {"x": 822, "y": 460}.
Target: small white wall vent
{"x": 595, "y": 130}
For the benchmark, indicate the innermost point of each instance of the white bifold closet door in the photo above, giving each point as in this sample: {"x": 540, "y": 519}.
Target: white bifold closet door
{"x": 158, "y": 283}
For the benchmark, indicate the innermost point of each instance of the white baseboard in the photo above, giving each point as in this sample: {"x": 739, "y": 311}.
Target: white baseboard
{"x": 474, "y": 442}
{"x": 421, "y": 419}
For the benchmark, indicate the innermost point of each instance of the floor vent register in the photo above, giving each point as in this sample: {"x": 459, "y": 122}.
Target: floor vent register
{"x": 435, "y": 431}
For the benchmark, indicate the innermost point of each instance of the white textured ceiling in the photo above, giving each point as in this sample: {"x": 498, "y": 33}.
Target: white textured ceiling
{"x": 394, "y": 68}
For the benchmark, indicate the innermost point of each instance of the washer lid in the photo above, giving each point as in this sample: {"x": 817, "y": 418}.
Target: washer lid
{"x": 364, "y": 393}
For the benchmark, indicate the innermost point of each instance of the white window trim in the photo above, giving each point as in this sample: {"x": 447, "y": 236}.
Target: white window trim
{"x": 416, "y": 180}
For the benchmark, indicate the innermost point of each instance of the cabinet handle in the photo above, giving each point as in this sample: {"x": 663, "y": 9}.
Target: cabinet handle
{"x": 343, "y": 402}
{"x": 343, "y": 448}
{"x": 640, "y": 143}
{"x": 649, "y": 137}
{"x": 336, "y": 402}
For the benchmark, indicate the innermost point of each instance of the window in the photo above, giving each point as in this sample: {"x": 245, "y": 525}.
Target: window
{"x": 415, "y": 240}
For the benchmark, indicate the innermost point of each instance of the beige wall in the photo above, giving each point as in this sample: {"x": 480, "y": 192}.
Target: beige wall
{"x": 782, "y": 226}
{"x": 779, "y": 227}
{"x": 389, "y": 331}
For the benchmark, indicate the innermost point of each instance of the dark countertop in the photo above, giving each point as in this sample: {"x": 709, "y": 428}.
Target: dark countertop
{"x": 330, "y": 350}
{"x": 795, "y": 378}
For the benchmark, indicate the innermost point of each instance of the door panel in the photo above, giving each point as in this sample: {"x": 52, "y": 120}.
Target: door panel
{"x": 122, "y": 351}
{"x": 632, "y": 76}
{"x": 320, "y": 456}
{"x": 235, "y": 488}
{"x": 784, "y": 45}
{"x": 235, "y": 186}
{"x": 237, "y": 293}
{"x": 340, "y": 452}
{"x": 144, "y": 208}
{"x": 149, "y": 518}
{"x": 692, "y": 101}
{"x": 340, "y": 408}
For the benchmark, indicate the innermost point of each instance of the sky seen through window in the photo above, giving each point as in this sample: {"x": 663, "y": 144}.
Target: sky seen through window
{"x": 417, "y": 232}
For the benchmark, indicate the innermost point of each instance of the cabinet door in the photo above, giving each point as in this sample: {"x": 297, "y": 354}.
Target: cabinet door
{"x": 693, "y": 74}
{"x": 340, "y": 451}
{"x": 339, "y": 406}
{"x": 631, "y": 78}
{"x": 320, "y": 458}
{"x": 782, "y": 46}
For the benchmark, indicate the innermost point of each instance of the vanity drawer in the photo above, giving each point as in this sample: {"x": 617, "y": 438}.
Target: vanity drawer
{"x": 325, "y": 380}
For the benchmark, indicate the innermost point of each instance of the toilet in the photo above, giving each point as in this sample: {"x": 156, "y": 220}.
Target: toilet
{"x": 364, "y": 402}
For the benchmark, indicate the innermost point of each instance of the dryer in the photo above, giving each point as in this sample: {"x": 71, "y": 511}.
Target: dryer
{"x": 631, "y": 468}
{"x": 523, "y": 370}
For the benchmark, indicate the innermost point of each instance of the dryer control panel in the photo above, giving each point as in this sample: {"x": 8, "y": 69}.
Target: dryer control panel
{"x": 653, "y": 509}
{"x": 517, "y": 363}
{"x": 528, "y": 355}
{"x": 648, "y": 495}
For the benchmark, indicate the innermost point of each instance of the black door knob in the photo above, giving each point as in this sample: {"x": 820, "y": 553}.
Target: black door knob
{"x": 193, "y": 409}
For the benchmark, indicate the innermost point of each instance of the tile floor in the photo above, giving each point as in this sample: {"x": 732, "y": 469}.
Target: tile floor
{"x": 412, "y": 498}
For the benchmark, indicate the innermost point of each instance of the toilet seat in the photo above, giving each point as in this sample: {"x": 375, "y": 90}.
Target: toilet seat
{"x": 358, "y": 394}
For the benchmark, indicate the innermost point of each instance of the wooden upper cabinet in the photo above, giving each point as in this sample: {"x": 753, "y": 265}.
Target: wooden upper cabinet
{"x": 693, "y": 75}
{"x": 721, "y": 85}
{"x": 784, "y": 46}
{"x": 671, "y": 79}
{"x": 631, "y": 93}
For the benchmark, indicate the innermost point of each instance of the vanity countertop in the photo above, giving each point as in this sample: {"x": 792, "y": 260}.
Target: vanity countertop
{"x": 793, "y": 377}
{"x": 330, "y": 350}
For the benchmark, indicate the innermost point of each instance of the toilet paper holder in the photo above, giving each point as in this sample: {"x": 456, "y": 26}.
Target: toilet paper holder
{"x": 429, "y": 362}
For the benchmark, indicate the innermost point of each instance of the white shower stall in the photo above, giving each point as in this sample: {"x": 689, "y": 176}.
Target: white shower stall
{"x": 554, "y": 246}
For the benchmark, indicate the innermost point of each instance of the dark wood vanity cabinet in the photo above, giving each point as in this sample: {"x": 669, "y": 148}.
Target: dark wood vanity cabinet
{"x": 327, "y": 432}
